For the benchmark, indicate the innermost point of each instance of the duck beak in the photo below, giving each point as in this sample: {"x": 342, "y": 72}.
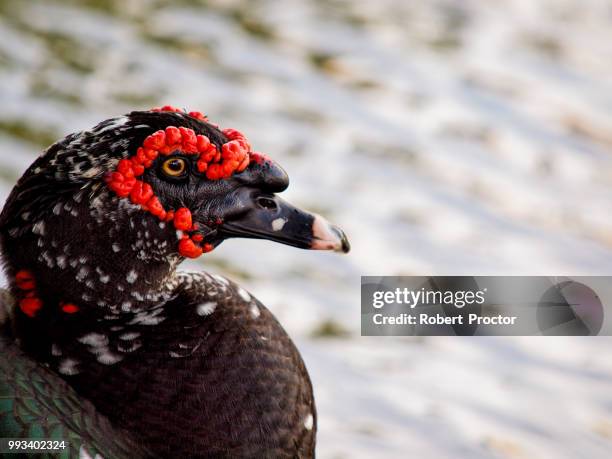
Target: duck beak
{"x": 266, "y": 216}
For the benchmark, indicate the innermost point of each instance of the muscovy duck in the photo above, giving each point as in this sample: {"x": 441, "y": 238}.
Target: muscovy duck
{"x": 104, "y": 343}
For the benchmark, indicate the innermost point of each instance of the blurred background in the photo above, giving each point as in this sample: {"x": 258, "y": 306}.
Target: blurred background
{"x": 446, "y": 137}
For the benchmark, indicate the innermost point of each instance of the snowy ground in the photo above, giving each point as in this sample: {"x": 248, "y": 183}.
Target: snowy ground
{"x": 445, "y": 137}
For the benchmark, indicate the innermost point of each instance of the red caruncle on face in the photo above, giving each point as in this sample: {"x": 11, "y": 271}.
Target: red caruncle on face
{"x": 216, "y": 165}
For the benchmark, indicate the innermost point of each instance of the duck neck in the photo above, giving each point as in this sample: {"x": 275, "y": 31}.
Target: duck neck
{"x": 56, "y": 268}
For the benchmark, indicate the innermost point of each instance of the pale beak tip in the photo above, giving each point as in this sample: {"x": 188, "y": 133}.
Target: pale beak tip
{"x": 328, "y": 237}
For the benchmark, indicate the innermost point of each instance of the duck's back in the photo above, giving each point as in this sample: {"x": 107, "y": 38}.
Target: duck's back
{"x": 212, "y": 373}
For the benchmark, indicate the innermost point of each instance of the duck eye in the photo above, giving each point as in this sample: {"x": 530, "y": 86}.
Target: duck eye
{"x": 174, "y": 167}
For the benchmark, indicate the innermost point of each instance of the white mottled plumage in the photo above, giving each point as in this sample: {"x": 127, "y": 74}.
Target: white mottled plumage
{"x": 206, "y": 309}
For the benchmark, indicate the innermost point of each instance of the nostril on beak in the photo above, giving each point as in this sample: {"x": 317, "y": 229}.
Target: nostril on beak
{"x": 266, "y": 203}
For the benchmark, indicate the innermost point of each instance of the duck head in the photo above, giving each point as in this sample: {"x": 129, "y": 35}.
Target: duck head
{"x": 104, "y": 216}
